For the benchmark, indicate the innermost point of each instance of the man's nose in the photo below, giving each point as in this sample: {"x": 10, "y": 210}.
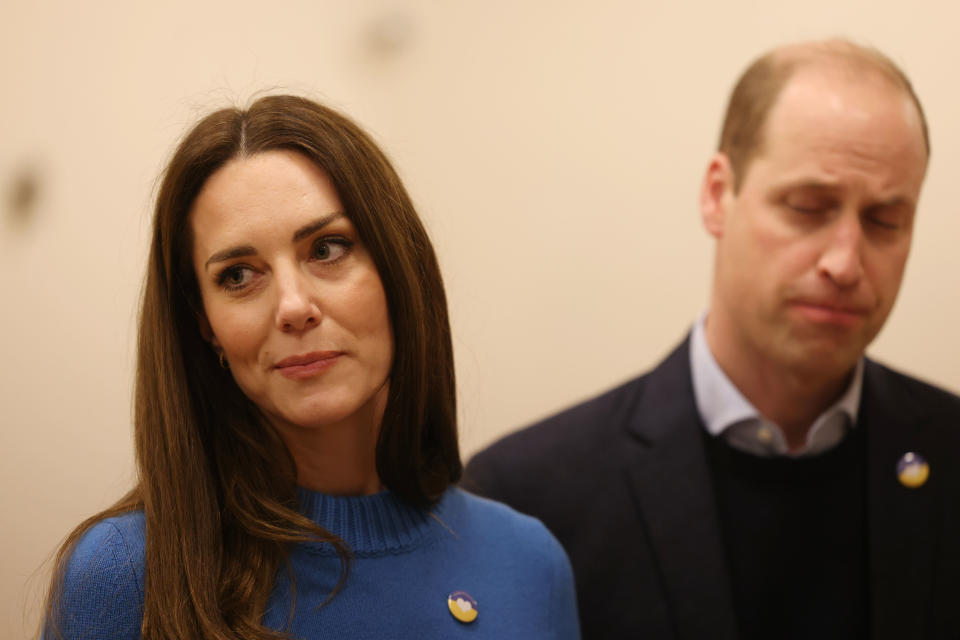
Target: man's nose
{"x": 842, "y": 257}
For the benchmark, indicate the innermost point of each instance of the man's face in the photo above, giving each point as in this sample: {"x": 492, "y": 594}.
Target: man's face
{"x": 811, "y": 250}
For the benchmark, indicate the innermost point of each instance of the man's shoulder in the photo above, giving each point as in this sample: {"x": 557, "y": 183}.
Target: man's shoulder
{"x": 887, "y": 382}
{"x": 547, "y": 455}
{"x": 595, "y": 424}
{"x": 588, "y": 423}
{"x": 574, "y": 452}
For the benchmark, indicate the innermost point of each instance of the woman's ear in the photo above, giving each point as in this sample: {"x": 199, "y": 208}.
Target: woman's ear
{"x": 207, "y": 331}
{"x": 716, "y": 193}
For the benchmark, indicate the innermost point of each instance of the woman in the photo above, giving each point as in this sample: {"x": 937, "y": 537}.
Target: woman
{"x": 295, "y": 419}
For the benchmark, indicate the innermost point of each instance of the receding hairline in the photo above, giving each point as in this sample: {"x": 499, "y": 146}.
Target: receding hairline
{"x": 759, "y": 87}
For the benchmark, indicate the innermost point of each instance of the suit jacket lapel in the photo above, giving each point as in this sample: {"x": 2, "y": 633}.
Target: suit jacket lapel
{"x": 670, "y": 479}
{"x": 902, "y": 521}
{"x": 671, "y": 482}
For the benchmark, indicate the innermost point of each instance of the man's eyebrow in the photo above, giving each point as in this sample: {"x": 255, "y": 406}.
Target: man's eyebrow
{"x": 897, "y": 202}
{"x": 312, "y": 227}
{"x": 811, "y": 185}
{"x": 893, "y": 201}
{"x": 230, "y": 254}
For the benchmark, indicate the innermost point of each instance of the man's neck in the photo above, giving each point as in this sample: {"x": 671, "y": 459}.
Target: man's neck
{"x": 791, "y": 398}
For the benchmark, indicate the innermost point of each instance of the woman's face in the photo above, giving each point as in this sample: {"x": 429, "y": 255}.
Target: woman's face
{"x": 292, "y": 298}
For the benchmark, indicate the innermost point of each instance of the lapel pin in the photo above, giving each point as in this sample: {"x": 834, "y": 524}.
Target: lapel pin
{"x": 764, "y": 434}
{"x": 462, "y": 606}
{"x": 912, "y": 470}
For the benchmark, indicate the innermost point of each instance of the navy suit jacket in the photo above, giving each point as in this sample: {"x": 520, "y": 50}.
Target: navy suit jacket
{"x": 622, "y": 481}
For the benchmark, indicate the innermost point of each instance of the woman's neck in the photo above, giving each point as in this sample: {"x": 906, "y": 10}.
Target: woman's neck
{"x": 340, "y": 458}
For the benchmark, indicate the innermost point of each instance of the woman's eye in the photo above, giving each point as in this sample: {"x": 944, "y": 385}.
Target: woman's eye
{"x": 235, "y": 277}
{"x": 329, "y": 249}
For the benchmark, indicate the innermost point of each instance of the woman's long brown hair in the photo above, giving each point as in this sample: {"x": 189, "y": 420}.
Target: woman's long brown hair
{"x": 215, "y": 482}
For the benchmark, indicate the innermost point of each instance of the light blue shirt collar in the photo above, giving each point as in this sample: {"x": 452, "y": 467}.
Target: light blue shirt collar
{"x": 725, "y": 410}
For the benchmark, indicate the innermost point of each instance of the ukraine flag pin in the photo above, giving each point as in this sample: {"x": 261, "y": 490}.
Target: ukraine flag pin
{"x": 912, "y": 470}
{"x": 462, "y": 606}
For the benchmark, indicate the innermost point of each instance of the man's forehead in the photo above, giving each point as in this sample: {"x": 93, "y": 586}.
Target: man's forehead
{"x": 821, "y": 105}
{"x": 831, "y": 131}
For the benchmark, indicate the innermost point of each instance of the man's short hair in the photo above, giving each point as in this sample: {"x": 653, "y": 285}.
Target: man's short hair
{"x": 757, "y": 90}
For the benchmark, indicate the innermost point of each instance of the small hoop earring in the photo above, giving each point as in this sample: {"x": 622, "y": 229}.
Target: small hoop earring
{"x": 223, "y": 363}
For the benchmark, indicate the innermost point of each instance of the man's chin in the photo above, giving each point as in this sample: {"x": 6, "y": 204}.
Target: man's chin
{"x": 823, "y": 358}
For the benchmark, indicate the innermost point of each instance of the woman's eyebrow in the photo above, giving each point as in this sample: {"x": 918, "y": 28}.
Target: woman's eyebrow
{"x": 230, "y": 254}
{"x": 248, "y": 250}
{"x": 312, "y": 227}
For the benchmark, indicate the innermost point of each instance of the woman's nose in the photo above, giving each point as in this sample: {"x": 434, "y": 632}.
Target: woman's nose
{"x": 296, "y": 307}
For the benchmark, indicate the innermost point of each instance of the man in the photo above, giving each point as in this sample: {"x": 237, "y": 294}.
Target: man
{"x": 766, "y": 480}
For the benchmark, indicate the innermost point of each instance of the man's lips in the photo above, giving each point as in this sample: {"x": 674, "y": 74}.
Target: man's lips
{"x": 830, "y": 312}
{"x": 307, "y": 364}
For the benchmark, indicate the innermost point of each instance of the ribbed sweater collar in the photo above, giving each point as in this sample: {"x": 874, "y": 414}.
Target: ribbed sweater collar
{"x": 372, "y": 525}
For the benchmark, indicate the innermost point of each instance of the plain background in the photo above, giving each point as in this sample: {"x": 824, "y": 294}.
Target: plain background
{"x": 554, "y": 150}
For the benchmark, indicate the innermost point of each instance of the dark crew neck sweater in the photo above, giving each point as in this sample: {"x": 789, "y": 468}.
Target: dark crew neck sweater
{"x": 795, "y": 533}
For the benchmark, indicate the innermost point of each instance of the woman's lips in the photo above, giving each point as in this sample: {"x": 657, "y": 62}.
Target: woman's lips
{"x": 307, "y": 364}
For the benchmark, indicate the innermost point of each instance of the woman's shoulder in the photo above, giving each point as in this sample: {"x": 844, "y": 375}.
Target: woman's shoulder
{"x": 512, "y": 558}
{"x": 101, "y": 595}
{"x": 468, "y": 505}
{"x": 111, "y": 547}
{"x": 496, "y": 522}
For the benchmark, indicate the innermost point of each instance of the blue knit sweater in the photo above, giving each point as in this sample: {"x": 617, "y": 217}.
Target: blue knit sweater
{"x": 406, "y": 563}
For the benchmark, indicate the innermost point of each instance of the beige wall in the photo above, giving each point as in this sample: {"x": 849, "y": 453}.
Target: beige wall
{"x": 554, "y": 149}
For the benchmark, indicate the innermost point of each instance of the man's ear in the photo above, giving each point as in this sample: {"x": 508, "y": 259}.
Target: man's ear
{"x": 207, "y": 331}
{"x": 716, "y": 194}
